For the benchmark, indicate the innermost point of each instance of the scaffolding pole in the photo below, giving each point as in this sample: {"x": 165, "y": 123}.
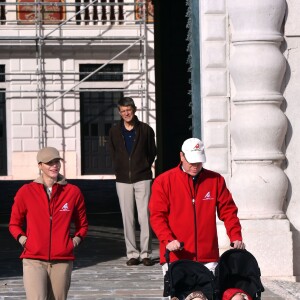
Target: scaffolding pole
{"x": 40, "y": 40}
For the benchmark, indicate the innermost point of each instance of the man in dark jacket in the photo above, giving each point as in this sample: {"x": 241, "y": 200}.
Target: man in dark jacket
{"x": 133, "y": 150}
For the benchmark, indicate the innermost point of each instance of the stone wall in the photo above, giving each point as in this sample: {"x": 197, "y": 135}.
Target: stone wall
{"x": 244, "y": 125}
{"x": 291, "y": 92}
{"x": 59, "y": 119}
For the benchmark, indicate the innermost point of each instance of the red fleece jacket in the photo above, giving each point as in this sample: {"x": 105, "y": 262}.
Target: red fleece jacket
{"x": 48, "y": 222}
{"x": 187, "y": 212}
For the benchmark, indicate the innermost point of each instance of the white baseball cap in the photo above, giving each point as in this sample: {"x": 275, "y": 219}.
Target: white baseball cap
{"x": 193, "y": 150}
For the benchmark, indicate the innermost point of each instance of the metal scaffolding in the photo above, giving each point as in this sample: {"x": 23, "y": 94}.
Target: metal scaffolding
{"x": 44, "y": 24}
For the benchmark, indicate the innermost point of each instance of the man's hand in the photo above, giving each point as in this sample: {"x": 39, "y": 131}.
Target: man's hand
{"x": 238, "y": 245}
{"x": 174, "y": 246}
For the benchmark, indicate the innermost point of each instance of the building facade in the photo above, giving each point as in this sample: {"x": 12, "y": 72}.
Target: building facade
{"x": 250, "y": 121}
{"x": 64, "y": 66}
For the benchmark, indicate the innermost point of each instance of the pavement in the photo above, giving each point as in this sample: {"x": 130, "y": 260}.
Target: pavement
{"x": 100, "y": 270}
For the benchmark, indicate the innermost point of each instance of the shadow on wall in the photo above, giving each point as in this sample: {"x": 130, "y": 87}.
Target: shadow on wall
{"x": 100, "y": 197}
{"x": 101, "y": 244}
{"x": 105, "y": 226}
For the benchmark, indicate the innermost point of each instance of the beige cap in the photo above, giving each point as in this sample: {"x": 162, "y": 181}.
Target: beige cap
{"x": 47, "y": 154}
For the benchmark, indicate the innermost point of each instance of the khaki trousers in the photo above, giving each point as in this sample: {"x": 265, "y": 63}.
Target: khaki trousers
{"x": 130, "y": 195}
{"x": 46, "y": 280}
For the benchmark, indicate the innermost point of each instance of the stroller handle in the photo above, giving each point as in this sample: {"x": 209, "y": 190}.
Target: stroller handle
{"x": 167, "y": 254}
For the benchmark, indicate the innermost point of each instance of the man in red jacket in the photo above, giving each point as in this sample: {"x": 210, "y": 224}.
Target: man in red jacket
{"x": 183, "y": 207}
{"x": 48, "y": 206}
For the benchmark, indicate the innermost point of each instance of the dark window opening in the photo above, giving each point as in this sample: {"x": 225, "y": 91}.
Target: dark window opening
{"x": 111, "y": 72}
{"x": 3, "y": 142}
{"x": 2, "y": 73}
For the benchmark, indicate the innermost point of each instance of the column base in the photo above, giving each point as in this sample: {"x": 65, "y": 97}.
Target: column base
{"x": 271, "y": 242}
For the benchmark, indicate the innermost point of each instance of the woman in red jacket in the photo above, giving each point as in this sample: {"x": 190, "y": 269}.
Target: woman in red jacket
{"x": 48, "y": 206}
{"x": 183, "y": 207}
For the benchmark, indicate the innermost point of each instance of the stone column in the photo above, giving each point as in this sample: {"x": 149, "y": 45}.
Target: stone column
{"x": 258, "y": 128}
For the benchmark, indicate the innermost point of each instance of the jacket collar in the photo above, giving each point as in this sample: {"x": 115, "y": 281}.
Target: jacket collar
{"x": 60, "y": 180}
{"x": 136, "y": 121}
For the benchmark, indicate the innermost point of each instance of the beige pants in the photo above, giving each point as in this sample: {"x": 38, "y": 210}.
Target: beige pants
{"x": 46, "y": 280}
{"x": 130, "y": 195}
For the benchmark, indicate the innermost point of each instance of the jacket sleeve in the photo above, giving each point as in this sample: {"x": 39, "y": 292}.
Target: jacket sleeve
{"x": 111, "y": 144}
{"x": 18, "y": 215}
{"x": 152, "y": 146}
{"x": 80, "y": 219}
{"x": 227, "y": 211}
{"x": 159, "y": 213}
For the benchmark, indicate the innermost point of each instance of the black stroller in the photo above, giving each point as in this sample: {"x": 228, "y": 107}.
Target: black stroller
{"x": 185, "y": 276}
{"x": 239, "y": 269}
{"x": 236, "y": 269}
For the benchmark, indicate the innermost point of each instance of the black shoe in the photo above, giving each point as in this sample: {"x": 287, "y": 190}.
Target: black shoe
{"x": 133, "y": 262}
{"x": 147, "y": 262}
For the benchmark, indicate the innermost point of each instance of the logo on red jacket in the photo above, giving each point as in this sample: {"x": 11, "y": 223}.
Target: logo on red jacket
{"x": 207, "y": 196}
{"x": 65, "y": 207}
